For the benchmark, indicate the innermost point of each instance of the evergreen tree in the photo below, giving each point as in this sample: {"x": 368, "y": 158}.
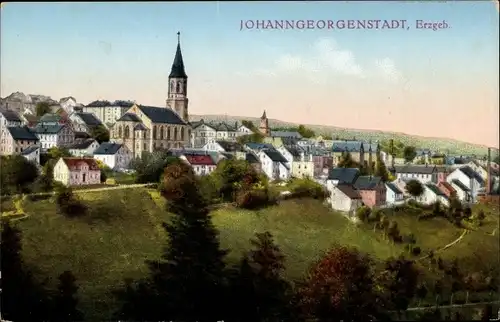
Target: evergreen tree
{"x": 189, "y": 282}
{"x": 259, "y": 292}
{"x": 381, "y": 169}
{"x": 22, "y": 299}
{"x": 65, "y": 301}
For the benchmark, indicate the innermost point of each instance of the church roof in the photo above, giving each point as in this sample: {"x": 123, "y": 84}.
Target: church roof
{"x": 129, "y": 117}
{"x": 178, "y": 70}
{"x": 161, "y": 115}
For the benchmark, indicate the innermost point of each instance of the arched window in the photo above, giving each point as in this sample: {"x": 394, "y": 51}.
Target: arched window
{"x": 145, "y": 134}
{"x": 175, "y": 134}
{"x": 161, "y": 134}
{"x": 155, "y": 132}
{"x": 127, "y": 132}
{"x": 120, "y": 132}
{"x": 172, "y": 86}
{"x": 189, "y": 133}
{"x": 182, "y": 134}
{"x": 168, "y": 134}
{"x": 178, "y": 89}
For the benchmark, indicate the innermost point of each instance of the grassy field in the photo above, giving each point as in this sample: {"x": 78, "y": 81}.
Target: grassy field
{"x": 113, "y": 241}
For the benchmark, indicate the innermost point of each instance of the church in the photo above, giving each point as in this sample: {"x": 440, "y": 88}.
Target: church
{"x": 148, "y": 128}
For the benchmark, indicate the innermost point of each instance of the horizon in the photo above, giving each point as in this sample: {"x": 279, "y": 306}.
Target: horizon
{"x": 416, "y": 82}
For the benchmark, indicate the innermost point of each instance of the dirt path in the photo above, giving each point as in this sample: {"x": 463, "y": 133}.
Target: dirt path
{"x": 423, "y": 308}
{"x": 447, "y": 246}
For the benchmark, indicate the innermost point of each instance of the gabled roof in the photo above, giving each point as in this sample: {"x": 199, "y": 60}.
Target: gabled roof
{"x": 294, "y": 151}
{"x": 349, "y": 191}
{"x": 393, "y": 187}
{"x": 432, "y": 187}
{"x": 367, "y": 182}
{"x": 82, "y": 135}
{"x": 231, "y": 146}
{"x": 259, "y": 146}
{"x": 222, "y": 126}
{"x": 460, "y": 185}
{"x": 161, "y": 115}
{"x": 10, "y": 115}
{"x": 30, "y": 150}
{"x": 343, "y": 175}
{"x": 72, "y": 163}
{"x": 140, "y": 127}
{"x": 251, "y": 158}
{"x": 50, "y": 118}
{"x": 48, "y": 129}
{"x": 129, "y": 117}
{"x": 289, "y": 141}
{"x": 275, "y": 156}
{"x": 89, "y": 118}
{"x": 417, "y": 169}
{"x": 286, "y": 134}
{"x": 105, "y": 103}
{"x": 347, "y": 146}
{"x": 108, "y": 148}
{"x": 199, "y": 159}
{"x": 447, "y": 186}
{"x": 471, "y": 174}
{"x": 81, "y": 144}
{"x": 22, "y": 133}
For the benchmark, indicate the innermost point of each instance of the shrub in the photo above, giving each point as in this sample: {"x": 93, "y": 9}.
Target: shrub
{"x": 301, "y": 188}
{"x": 68, "y": 204}
{"x": 426, "y": 216}
{"x": 362, "y": 213}
{"x": 253, "y": 199}
{"x": 481, "y": 215}
{"x": 374, "y": 216}
{"x": 416, "y": 251}
{"x": 104, "y": 177}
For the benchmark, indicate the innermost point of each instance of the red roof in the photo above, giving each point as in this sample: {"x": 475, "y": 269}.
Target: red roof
{"x": 199, "y": 159}
{"x": 72, "y": 163}
{"x": 447, "y": 186}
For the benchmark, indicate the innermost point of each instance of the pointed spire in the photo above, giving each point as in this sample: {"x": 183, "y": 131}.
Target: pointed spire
{"x": 264, "y": 115}
{"x": 178, "y": 70}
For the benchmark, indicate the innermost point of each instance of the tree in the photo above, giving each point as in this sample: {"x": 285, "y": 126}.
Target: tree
{"x": 100, "y": 133}
{"x": 232, "y": 175}
{"x": 255, "y": 137}
{"x": 42, "y": 108}
{"x": 381, "y": 169}
{"x": 150, "y": 166}
{"x": 409, "y": 153}
{"x": 189, "y": 282}
{"x": 346, "y": 161}
{"x": 340, "y": 287}
{"x": 414, "y": 188}
{"x": 65, "y": 301}
{"x": 305, "y": 132}
{"x": 259, "y": 292}
{"x": 250, "y": 125}
{"x": 22, "y": 298}
{"x": 17, "y": 174}
{"x": 68, "y": 204}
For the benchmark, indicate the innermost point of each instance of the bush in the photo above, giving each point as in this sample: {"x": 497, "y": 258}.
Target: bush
{"x": 374, "y": 216}
{"x": 416, "y": 251}
{"x": 481, "y": 215}
{"x": 253, "y": 199}
{"x": 68, "y": 204}
{"x": 104, "y": 177}
{"x": 303, "y": 188}
{"x": 426, "y": 216}
{"x": 362, "y": 213}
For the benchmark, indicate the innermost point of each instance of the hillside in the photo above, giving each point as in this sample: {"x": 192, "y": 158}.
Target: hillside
{"x": 439, "y": 144}
{"x": 112, "y": 242}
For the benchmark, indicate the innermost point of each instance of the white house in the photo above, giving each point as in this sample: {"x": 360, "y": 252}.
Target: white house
{"x": 83, "y": 147}
{"x": 423, "y": 173}
{"x": 54, "y": 135}
{"x": 274, "y": 165}
{"x": 32, "y": 154}
{"x": 481, "y": 169}
{"x": 202, "y": 164}
{"x": 108, "y": 112}
{"x": 394, "y": 195}
{"x": 77, "y": 171}
{"x": 467, "y": 182}
{"x": 243, "y": 130}
{"x": 84, "y": 122}
{"x": 337, "y": 176}
{"x": 9, "y": 118}
{"x": 345, "y": 198}
{"x": 208, "y": 132}
{"x": 224, "y": 146}
{"x": 113, "y": 155}
{"x": 432, "y": 194}
{"x": 68, "y": 104}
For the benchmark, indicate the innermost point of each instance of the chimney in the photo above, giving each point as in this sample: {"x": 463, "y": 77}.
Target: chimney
{"x": 488, "y": 177}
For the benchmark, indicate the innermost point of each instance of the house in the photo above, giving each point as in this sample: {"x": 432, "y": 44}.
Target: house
{"x": 354, "y": 148}
{"x": 279, "y": 141}
{"x": 481, "y": 169}
{"x": 54, "y": 135}
{"x": 243, "y": 130}
{"x": 68, "y": 104}
{"x": 108, "y": 112}
{"x": 345, "y": 198}
{"x": 372, "y": 190}
{"x": 338, "y": 176}
{"x": 274, "y": 165}
{"x": 85, "y": 122}
{"x": 77, "y": 171}
{"x": 15, "y": 139}
{"x": 233, "y": 148}
{"x": 32, "y": 154}
{"x": 113, "y": 155}
{"x": 9, "y": 118}
{"x": 470, "y": 183}
{"x": 433, "y": 194}
{"x": 321, "y": 161}
{"x": 303, "y": 167}
{"x": 447, "y": 189}
{"x": 201, "y": 164}
{"x": 394, "y": 195}
{"x": 257, "y": 147}
{"x": 423, "y": 173}
{"x": 206, "y": 132}
{"x": 83, "y": 147}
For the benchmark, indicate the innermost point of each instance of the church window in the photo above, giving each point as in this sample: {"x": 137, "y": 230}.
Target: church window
{"x": 182, "y": 134}
{"x": 155, "y": 132}
{"x": 127, "y": 132}
{"x": 119, "y": 131}
{"x": 161, "y": 134}
{"x": 168, "y": 133}
{"x": 144, "y": 135}
{"x": 175, "y": 134}
{"x": 172, "y": 86}
{"x": 178, "y": 89}
{"x": 145, "y": 147}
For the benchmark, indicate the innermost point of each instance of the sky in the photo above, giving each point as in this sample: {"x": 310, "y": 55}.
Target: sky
{"x": 437, "y": 83}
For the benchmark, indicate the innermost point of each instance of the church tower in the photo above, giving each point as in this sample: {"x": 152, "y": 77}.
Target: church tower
{"x": 264, "y": 125}
{"x": 177, "y": 88}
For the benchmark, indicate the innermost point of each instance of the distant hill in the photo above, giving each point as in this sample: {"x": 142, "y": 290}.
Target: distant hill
{"x": 436, "y": 144}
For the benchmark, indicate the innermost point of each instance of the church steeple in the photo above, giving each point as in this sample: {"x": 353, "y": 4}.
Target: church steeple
{"x": 178, "y": 70}
{"x": 264, "y": 125}
{"x": 177, "y": 89}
